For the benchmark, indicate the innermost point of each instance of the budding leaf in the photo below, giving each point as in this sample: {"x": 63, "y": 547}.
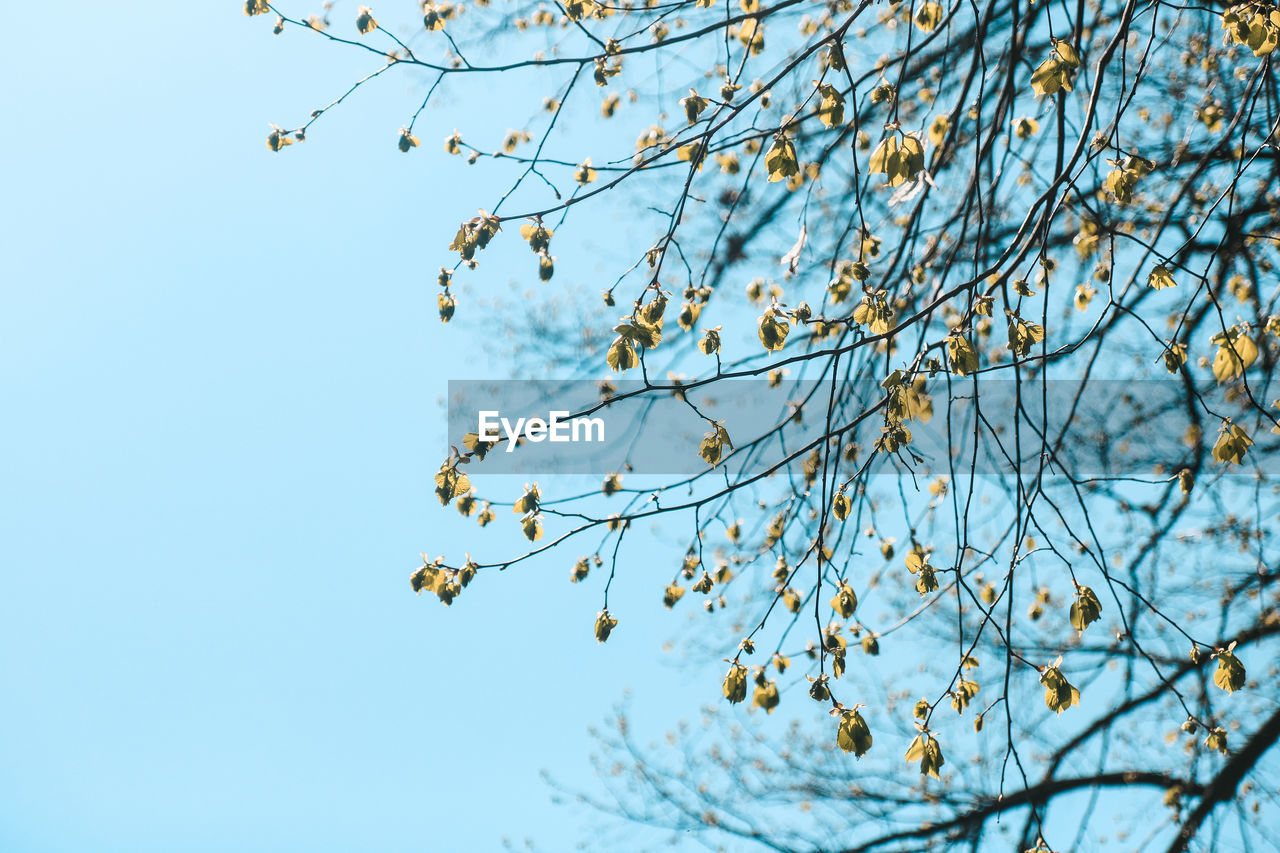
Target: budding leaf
{"x": 831, "y": 109}
{"x": 735, "y": 683}
{"x": 929, "y": 16}
{"x": 407, "y": 141}
{"x": 365, "y": 22}
{"x": 961, "y": 355}
{"x": 1233, "y": 442}
{"x": 1217, "y": 739}
{"x": 766, "y": 696}
{"x": 926, "y": 750}
{"x": 693, "y": 106}
{"x": 451, "y": 483}
{"x": 1057, "y": 73}
{"x": 531, "y": 525}
{"x": 853, "y": 734}
{"x": 710, "y": 343}
{"x": 1059, "y": 694}
{"x": 844, "y": 601}
{"x": 713, "y": 444}
{"x": 604, "y": 625}
{"x": 1085, "y": 610}
{"x": 773, "y": 330}
{"x": 1230, "y": 674}
{"x": 1160, "y": 278}
{"x": 528, "y": 502}
{"x": 899, "y": 160}
{"x": 1236, "y": 352}
{"x": 622, "y": 355}
{"x": 1023, "y": 335}
{"x": 781, "y": 160}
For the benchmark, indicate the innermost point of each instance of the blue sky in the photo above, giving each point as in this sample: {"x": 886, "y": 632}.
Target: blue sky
{"x": 221, "y": 370}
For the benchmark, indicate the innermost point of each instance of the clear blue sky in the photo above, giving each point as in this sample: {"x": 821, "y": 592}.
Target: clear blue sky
{"x": 220, "y": 371}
